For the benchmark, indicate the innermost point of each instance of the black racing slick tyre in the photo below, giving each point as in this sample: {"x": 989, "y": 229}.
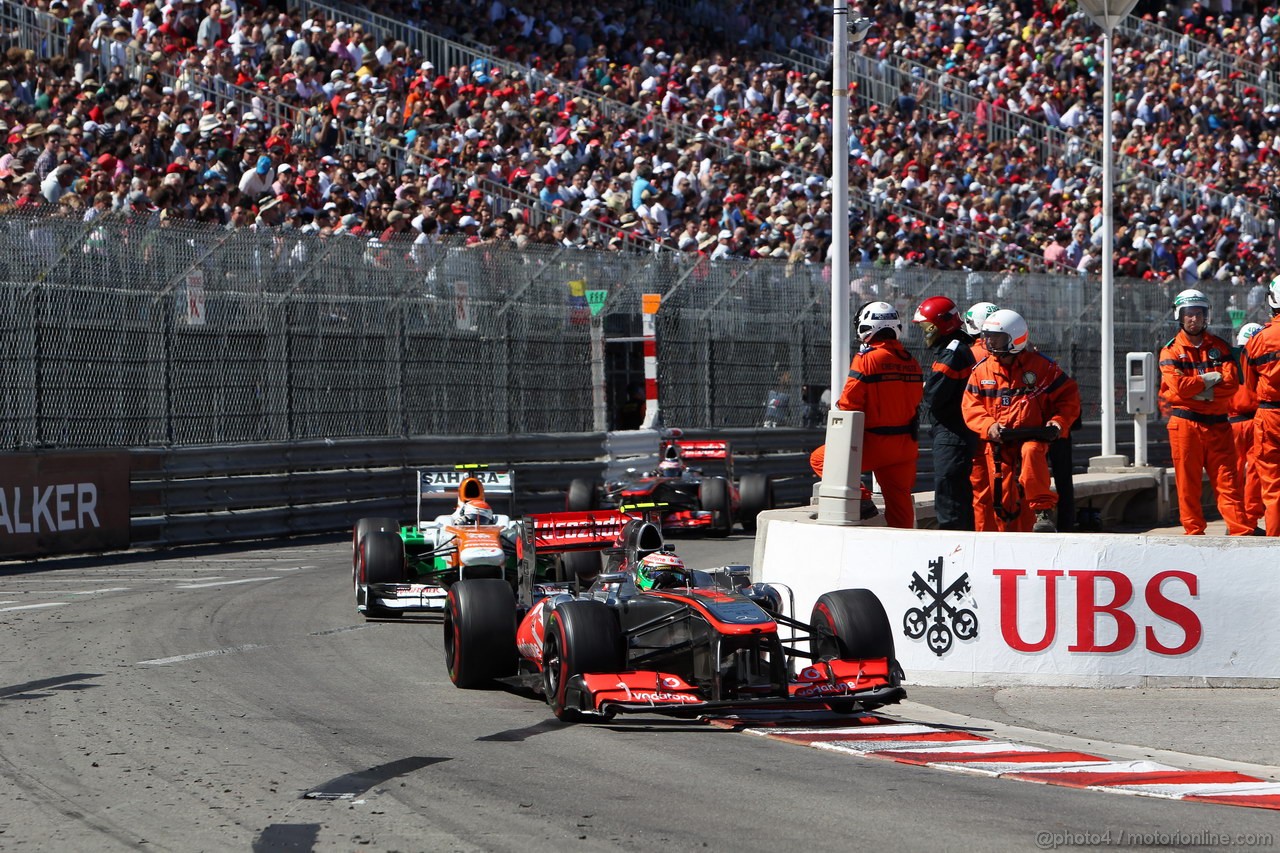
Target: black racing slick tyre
{"x": 379, "y": 559}
{"x": 480, "y": 632}
{"x": 582, "y": 496}
{"x": 582, "y": 566}
{"x": 382, "y": 554}
{"x": 851, "y": 624}
{"x": 713, "y": 494}
{"x": 581, "y": 637}
{"x": 756, "y": 494}
{"x": 368, "y": 525}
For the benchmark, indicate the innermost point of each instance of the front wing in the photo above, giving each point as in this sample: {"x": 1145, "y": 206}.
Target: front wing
{"x": 860, "y": 685}
{"x": 406, "y": 597}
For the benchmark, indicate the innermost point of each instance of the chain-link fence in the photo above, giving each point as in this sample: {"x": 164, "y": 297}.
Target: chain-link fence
{"x": 128, "y": 332}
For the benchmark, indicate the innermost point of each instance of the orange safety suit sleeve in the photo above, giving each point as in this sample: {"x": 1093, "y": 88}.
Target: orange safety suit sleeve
{"x": 1182, "y": 368}
{"x": 1260, "y": 368}
{"x": 1031, "y": 391}
{"x": 974, "y": 406}
{"x": 886, "y": 383}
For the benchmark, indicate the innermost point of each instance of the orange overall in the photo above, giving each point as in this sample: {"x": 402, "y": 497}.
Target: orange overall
{"x": 1240, "y": 414}
{"x": 1030, "y": 391}
{"x": 1199, "y": 436}
{"x": 984, "y": 507}
{"x": 1261, "y": 372}
{"x": 886, "y": 383}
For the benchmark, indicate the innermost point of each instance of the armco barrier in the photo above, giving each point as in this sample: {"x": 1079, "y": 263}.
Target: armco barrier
{"x": 193, "y": 495}
{"x": 182, "y": 496}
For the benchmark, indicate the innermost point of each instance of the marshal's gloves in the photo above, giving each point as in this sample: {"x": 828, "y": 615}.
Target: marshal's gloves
{"x": 1210, "y": 379}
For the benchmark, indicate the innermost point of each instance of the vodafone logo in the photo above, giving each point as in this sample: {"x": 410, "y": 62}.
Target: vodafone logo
{"x": 670, "y": 682}
{"x": 810, "y": 673}
{"x": 661, "y": 696}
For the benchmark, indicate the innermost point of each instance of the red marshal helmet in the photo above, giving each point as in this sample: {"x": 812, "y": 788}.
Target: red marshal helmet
{"x": 937, "y": 317}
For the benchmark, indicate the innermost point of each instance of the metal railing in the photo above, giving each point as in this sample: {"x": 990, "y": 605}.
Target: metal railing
{"x": 196, "y": 335}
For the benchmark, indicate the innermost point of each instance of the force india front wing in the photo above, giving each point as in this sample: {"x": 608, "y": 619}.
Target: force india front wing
{"x": 862, "y": 684}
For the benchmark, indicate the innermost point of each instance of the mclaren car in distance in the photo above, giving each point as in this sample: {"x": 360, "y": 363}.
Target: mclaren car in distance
{"x": 687, "y": 498}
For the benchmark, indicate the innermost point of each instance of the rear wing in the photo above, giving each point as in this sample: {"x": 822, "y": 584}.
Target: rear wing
{"x": 591, "y": 530}
{"x": 695, "y": 452}
{"x": 441, "y": 484}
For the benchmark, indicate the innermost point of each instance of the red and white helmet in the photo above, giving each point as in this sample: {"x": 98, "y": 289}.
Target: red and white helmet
{"x": 937, "y": 317}
{"x": 661, "y": 569}
{"x": 1005, "y": 333}
{"x": 476, "y": 512}
{"x": 875, "y": 317}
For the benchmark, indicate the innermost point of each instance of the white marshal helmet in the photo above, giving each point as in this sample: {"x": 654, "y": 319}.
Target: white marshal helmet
{"x": 1005, "y": 332}
{"x": 875, "y": 317}
{"x": 1273, "y": 294}
{"x": 1190, "y": 298}
{"x": 977, "y": 315}
{"x": 1248, "y": 330}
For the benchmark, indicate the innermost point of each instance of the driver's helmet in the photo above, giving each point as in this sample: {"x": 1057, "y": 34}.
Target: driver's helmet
{"x": 476, "y": 512}
{"x": 661, "y": 570}
{"x": 670, "y": 468}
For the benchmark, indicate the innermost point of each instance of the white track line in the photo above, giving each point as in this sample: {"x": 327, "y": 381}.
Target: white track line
{"x": 194, "y": 655}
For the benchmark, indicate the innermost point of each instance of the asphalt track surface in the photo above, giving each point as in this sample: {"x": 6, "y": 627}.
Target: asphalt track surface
{"x": 234, "y": 700}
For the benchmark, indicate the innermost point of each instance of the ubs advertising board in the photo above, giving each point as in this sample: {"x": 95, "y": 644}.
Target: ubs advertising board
{"x": 60, "y": 503}
{"x": 1065, "y": 609}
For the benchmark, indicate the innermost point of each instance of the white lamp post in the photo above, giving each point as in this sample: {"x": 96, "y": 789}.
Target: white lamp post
{"x": 1107, "y": 14}
{"x": 839, "y": 494}
{"x": 844, "y": 32}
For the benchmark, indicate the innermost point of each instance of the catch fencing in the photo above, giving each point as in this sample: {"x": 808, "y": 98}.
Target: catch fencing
{"x": 126, "y": 332}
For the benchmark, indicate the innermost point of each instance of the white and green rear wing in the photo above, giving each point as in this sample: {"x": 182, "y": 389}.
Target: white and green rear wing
{"x": 441, "y": 484}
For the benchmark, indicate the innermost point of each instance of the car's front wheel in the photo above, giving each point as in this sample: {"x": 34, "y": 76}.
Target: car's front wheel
{"x": 581, "y": 637}
{"x": 379, "y": 559}
{"x": 850, "y": 624}
{"x": 582, "y": 496}
{"x": 713, "y": 494}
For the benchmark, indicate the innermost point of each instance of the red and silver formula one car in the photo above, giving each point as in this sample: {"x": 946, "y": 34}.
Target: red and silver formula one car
{"x": 650, "y": 636}
{"x": 687, "y": 498}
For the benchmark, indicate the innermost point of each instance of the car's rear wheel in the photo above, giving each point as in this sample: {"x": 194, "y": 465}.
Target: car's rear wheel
{"x": 582, "y": 496}
{"x": 379, "y": 559}
{"x": 713, "y": 494}
{"x": 756, "y": 497}
{"x": 480, "y": 632}
{"x": 582, "y": 566}
{"x": 850, "y": 624}
{"x": 581, "y": 637}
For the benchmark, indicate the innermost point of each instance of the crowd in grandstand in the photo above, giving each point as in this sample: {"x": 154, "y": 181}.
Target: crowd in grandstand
{"x": 245, "y": 116}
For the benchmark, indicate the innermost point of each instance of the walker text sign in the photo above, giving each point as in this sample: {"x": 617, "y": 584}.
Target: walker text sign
{"x": 60, "y": 503}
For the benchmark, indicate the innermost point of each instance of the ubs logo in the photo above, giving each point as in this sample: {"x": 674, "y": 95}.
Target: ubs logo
{"x": 940, "y": 621}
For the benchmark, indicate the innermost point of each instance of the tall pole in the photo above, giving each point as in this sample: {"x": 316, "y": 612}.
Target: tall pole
{"x": 839, "y": 197}
{"x": 1108, "y": 409}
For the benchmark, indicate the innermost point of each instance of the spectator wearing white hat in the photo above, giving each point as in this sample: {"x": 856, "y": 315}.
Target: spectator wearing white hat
{"x": 724, "y": 246}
